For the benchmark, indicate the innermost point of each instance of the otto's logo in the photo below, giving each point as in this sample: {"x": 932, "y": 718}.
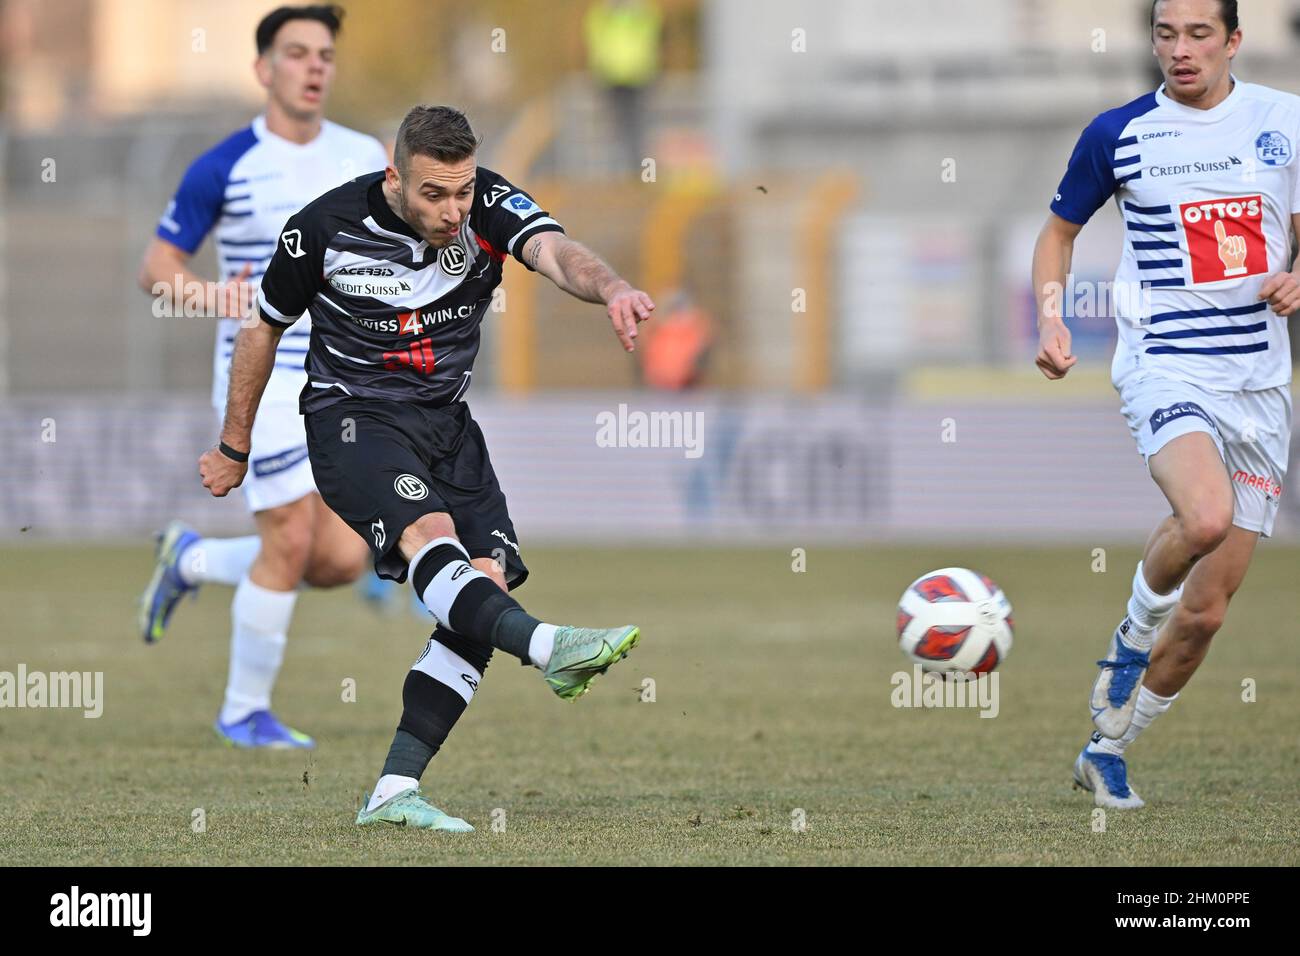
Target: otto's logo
{"x": 292, "y": 242}
{"x": 453, "y": 260}
{"x": 1272, "y": 489}
{"x": 411, "y": 488}
{"x": 1225, "y": 238}
{"x": 1273, "y": 148}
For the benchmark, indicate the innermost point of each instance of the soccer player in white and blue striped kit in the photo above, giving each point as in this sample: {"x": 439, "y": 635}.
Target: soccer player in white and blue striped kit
{"x": 241, "y": 192}
{"x": 1204, "y": 174}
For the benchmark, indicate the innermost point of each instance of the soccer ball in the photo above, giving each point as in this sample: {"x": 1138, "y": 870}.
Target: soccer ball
{"x": 954, "y": 620}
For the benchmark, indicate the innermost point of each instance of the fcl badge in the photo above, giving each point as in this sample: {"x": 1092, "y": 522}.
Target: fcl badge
{"x": 1273, "y": 148}
{"x": 1225, "y": 237}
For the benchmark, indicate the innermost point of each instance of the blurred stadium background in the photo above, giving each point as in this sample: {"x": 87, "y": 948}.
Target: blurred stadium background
{"x": 843, "y": 196}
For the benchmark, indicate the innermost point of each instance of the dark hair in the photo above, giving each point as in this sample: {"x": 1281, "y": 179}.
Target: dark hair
{"x": 1227, "y": 13}
{"x": 442, "y": 132}
{"x": 330, "y": 14}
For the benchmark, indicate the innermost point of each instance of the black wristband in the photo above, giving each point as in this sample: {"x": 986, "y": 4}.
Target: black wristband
{"x": 239, "y": 456}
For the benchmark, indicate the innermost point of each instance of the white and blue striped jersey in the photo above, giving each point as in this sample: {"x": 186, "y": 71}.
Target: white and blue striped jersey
{"x": 1207, "y": 198}
{"x": 245, "y": 188}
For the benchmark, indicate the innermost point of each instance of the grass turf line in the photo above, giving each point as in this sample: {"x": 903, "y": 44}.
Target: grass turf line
{"x": 773, "y": 695}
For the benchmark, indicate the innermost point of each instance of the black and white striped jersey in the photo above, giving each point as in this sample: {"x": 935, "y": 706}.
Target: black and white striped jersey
{"x": 391, "y": 316}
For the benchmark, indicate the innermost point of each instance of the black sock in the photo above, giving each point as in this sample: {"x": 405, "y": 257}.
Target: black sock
{"x": 408, "y": 755}
{"x": 430, "y": 708}
{"x": 470, "y": 603}
{"x": 514, "y": 629}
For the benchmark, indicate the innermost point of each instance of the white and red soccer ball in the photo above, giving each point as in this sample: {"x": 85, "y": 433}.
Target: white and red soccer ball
{"x": 955, "y": 620}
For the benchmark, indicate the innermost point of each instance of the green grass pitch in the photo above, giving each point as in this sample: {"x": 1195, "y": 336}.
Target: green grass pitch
{"x": 772, "y": 695}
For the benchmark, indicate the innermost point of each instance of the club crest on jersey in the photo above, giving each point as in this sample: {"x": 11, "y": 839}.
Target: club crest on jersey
{"x": 1225, "y": 237}
{"x": 292, "y": 242}
{"x": 521, "y": 206}
{"x": 453, "y": 259}
{"x": 1273, "y": 148}
{"x": 411, "y": 488}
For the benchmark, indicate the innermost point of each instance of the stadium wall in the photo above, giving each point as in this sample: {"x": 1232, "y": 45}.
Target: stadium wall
{"x": 795, "y": 472}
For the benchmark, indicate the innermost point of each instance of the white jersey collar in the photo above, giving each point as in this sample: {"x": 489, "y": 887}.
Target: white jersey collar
{"x": 1229, "y": 102}
{"x": 263, "y": 133}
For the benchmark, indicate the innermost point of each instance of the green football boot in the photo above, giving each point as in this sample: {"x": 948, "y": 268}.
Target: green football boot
{"x": 409, "y": 809}
{"x": 580, "y": 653}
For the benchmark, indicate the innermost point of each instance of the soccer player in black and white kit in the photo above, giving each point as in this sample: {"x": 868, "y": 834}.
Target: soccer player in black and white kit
{"x": 239, "y": 193}
{"x": 397, "y": 271}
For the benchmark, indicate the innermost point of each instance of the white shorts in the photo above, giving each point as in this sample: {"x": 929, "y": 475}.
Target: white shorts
{"x": 278, "y": 469}
{"x": 1251, "y": 429}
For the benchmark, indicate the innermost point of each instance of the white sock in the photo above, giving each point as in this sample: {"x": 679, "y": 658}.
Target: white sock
{"x": 1147, "y": 611}
{"x": 541, "y": 644}
{"x": 218, "y": 560}
{"x": 389, "y": 785}
{"x": 1150, "y": 705}
{"x": 260, "y": 620}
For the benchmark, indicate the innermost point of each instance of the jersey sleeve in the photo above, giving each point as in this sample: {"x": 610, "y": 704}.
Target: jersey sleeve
{"x": 196, "y": 206}
{"x": 295, "y": 274}
{"x": 505, "y": 217}
{"x": 1295, "y": 177}
{"x": 1089, "y": 180}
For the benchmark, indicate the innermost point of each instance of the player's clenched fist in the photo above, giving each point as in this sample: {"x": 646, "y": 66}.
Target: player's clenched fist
{"x": 626, "y": 309}
{"x": 220, "y": 473}
{"x": 1282, "y": 292}
{"x": 1054, "y": 358}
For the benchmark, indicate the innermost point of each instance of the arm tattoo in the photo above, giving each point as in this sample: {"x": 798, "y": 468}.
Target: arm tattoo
{"x": 586, "y": 275}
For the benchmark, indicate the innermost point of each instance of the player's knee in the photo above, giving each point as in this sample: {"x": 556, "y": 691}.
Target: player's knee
{"x": 336, "y": 569}
{"x": 1199, "y": 625}
{"x": 423, "y": 530}
{"x": 351, "y": 565}
{"x": 286, "y": 543}
{"x": 1206, "y": 528}
{"x": 493, "y": 570}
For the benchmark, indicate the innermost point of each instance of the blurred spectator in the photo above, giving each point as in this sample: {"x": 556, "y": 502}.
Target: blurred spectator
{"x": 675, "y": 346}
{"x": 623, "y": 38}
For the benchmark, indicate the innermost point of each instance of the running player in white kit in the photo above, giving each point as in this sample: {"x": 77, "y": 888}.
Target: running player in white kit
{"x": 1203, "y": 172}
{"x": 243, "y": 190}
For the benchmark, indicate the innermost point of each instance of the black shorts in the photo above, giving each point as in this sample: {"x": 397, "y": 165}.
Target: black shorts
{"x": 382, "y": 465}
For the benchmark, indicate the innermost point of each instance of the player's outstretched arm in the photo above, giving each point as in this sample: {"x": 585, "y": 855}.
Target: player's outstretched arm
{"x": 250, "y": 368}
{"x": 1052, "y": 255}
{"x": 165, "y": 274}
{"x": 583, "y": 274}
